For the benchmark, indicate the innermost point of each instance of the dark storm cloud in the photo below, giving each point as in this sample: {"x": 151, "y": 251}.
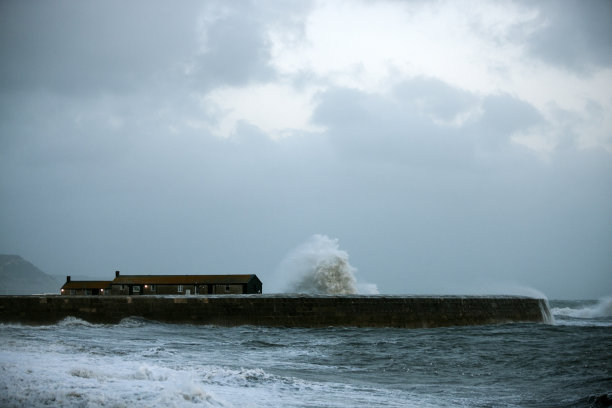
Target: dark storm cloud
{"x": 237, "y": 51}
{"x": 575, "y": 34}
{"x": 84, "y": 46}
{"x": 87, "y": 81}
{"x": 88, "y": 46}
{"x": 236, "y": 47}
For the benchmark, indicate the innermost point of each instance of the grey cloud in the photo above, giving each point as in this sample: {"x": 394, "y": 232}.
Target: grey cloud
{"x": 76, "y": 47}
{"x": 379, "y": 128}
{"x": 503, "y": 115}
{"x": 436, "y": 98}
{"x": 576, "y": 34}
{"x": 236, "y": 46}
{"x": 404, "y": 126}
{"x": 95, "y": 47}
{"x": 237, "y": 50}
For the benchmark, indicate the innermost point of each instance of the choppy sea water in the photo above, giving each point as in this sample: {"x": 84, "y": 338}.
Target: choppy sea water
{"x": 147, "y": 364}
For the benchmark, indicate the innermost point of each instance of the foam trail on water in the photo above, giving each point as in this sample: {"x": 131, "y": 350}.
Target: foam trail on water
{"x": 319, "y": 266}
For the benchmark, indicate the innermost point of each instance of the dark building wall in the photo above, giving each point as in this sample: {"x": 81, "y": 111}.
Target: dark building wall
{"x": 303, "y": 311}
{"x": 84, "y": 292}
{"x": 234, "y": 289}
{"x": 119, "y": 290}
{"x": 254, "y": 286}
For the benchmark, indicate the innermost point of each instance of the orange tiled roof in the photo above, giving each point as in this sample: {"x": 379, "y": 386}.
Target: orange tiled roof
{"x": 182, "y": 279}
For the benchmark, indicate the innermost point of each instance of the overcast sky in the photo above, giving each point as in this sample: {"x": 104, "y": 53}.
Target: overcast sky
{"x": 450, "y": 147}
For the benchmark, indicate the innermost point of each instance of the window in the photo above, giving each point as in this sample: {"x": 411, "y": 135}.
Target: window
{"x": 180, "y": 289}
{"x": 152, "y": 288}
{"x": 227, "y": 288}
{"x": 136, "y": 289}
{"x": 72, "y": 291}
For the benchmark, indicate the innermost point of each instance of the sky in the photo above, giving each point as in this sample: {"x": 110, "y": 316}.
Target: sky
{"x": 448, "y": 146}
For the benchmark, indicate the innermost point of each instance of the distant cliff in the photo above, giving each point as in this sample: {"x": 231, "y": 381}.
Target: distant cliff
{"x": 20, "y": 277}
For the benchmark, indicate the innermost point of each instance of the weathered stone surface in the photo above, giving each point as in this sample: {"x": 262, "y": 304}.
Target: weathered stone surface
{"x": 278, "y": 310}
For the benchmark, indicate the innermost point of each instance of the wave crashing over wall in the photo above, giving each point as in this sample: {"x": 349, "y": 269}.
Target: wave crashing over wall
{"x": 319, "y": 266}
{"x": 603, "y": 308}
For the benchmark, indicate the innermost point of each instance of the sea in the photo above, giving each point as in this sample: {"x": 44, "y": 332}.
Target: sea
{"x": 139, "y": 363}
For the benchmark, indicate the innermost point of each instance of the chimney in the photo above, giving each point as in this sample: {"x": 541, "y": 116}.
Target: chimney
{"x": 116, "y": 274}
{"x": 67, "y": 278}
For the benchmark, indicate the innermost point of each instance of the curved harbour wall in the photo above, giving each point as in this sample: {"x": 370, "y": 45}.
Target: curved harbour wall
{"x": 281, "y": 310}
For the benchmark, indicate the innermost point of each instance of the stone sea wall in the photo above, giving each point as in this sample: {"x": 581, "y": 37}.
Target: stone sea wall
{"x": 280, "y": 310}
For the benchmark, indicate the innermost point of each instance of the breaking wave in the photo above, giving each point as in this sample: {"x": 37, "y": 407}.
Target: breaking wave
{"x": 319, "y": 266}
{"x": 603, "y": 308}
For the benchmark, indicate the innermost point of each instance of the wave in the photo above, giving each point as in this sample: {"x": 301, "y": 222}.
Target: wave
{"x": 80, "y": 379}
{"x": 603, "y": 308}
{"x": 319, "y": 266}
{"x": 75, "y": 321}
{"x": 69, "y": 321}
{"x": 135, "y": 321}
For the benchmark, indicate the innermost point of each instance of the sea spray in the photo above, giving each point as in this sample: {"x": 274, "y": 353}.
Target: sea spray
{"x": 318, "y": 266}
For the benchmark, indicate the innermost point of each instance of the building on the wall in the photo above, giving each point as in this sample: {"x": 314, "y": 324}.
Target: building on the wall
{"x": 184, "y": 284}
{"x": 87, "y": 288}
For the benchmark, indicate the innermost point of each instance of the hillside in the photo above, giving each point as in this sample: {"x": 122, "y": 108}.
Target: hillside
{"x": 20, "y": 277}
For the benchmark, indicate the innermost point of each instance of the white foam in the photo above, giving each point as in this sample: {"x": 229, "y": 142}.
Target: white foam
{"x": 75, "y": 321}
{"x": 83, "y": 380}
{"x": 133, "y": 322}
{"x": 69, "y": 373}
{"x": 603, "y": 308}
